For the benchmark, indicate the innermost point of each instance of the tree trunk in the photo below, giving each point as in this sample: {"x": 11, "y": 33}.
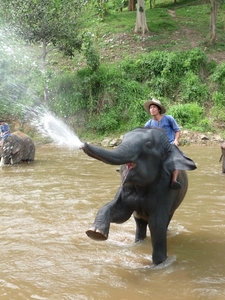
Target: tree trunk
{"x": 213, "y": 14}
{"x": 152, "y": 4}
{"x": 141, "y": 24}
{"x": 131, "y": 5}
{"x": 44, "y": 53}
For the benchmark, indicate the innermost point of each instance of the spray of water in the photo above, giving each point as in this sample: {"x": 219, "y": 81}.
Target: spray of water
{"x": 54, "y": 128}
{"x": 40, "y": 117}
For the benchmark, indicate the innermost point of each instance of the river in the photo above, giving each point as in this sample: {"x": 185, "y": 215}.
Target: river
{"x": 46, "y": 207}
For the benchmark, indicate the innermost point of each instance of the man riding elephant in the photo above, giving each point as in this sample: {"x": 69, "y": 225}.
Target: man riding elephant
{"x": 168, "y": 123}
{"x": 5, "y": 130}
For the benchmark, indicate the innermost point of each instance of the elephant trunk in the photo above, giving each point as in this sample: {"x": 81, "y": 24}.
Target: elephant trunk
{"x": 121, "y": 155}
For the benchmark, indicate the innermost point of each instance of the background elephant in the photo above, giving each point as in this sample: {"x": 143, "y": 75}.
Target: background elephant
{"x": 148, "y": 160}
{"x": 222, "y": 158}
{"x": 17, "y": 147}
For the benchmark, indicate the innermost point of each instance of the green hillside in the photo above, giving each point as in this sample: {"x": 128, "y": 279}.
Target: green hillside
{"x": 101, "y": 90}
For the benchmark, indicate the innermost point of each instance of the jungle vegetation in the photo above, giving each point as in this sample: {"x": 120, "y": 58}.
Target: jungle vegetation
{"x": 95, "y": 73}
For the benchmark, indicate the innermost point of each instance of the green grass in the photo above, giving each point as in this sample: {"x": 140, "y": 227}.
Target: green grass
{"x": 173, "y": 29}
{"x": 189, "y": 25}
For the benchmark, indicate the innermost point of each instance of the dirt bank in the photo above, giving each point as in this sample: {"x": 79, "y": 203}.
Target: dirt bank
{"x": 187, "y": 138}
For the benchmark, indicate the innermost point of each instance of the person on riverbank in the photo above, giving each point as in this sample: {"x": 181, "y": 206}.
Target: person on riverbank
{"x": 168, "y": 123}
{"x": 5, "y": 130}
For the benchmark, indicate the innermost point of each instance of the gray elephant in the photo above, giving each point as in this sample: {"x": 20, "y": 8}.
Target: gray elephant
{"x": 148, "y": 160}
{"x": 17, "y": 147}
{"x": 222, "y": 158}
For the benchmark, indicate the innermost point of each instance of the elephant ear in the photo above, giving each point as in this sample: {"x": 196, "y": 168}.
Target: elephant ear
{"x": 15, "y": 150}
{"x": 16, "y": 147}
{"x": 180, "y": 161}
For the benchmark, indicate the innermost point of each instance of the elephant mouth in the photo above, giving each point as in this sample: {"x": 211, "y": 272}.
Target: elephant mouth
{"x": 129, "y": 166}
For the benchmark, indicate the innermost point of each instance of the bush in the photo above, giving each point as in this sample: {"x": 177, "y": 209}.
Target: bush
{"x": 218, "y": 77}
{"x": 192, "y": 89}
{"x": 111, "y": 97}
{"x": 186, "y": 114}
{"x": 218, "y": 99}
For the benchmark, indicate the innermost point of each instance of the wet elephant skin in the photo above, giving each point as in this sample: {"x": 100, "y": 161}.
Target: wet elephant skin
{"x": 17, "y": 147}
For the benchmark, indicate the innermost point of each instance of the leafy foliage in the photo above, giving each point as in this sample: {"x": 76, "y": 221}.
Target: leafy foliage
{"x": 218, "y": 77}
{"x": 90, "y": 51}
{"x": 107, "y": 97}
{"x": 42, "y": 20}
{"x": 113, "y": 96}
{"x": 189, "y": 113}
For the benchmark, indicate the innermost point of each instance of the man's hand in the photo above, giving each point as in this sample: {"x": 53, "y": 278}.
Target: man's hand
{"x": 176, "y": 143}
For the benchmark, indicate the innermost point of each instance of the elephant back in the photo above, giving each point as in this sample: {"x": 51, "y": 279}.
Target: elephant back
{"x": 20, "y": 134}
{"x": 27, "y": 145}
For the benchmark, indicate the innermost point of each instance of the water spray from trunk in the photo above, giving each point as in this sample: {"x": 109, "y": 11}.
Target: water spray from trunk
{"x": 53, "y": 127}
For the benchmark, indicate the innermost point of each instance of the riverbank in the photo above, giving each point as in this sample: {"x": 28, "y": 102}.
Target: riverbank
{"x": 187, "y": 138}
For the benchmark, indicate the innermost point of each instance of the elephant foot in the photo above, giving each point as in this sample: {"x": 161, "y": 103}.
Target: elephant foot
{"x": 96, "y": 234}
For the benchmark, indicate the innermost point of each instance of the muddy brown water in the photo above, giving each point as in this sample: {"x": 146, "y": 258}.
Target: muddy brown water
{"x": 46, "y": 206}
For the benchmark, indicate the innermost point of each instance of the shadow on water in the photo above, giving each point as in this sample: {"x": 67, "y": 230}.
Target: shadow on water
{"x": 46, "y": 207}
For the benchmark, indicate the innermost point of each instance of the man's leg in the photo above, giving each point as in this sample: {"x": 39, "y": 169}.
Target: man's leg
{"x": 175, "y": 185}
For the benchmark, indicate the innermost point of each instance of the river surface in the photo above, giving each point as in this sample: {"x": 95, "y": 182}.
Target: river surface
{"x": 46, "y": 207}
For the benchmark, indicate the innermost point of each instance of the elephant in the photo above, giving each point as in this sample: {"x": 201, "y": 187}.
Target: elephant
{"x": 222, "y": 158}
{"x": 146, "y": 160}
{"x": 16, "y": 148}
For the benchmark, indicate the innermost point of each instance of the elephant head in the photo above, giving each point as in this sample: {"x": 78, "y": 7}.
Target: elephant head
{"x": 222, "y": 158}
{"x": 144, "y": 151}
{"x": 10, "y": 147}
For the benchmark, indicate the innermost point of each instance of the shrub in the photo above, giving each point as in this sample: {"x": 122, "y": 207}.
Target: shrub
{"x": 188, "y": 114}
{"x": 218, "y": 99}
{"x": 218, "y": 77}
{"x": 192, "y": 89}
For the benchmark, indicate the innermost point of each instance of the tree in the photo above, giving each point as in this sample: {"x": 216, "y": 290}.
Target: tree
{"x": 141, "y": 24}
{"x": 131, "y": 5}
{"x": 213, "y": 14}
{"x": 49, "y": 22}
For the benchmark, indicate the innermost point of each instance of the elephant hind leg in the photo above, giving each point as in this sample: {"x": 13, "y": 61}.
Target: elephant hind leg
{"x": 141, "y": 228}
{"x": 96, "y": 234}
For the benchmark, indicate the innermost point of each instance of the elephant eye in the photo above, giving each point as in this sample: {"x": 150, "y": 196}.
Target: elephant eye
{"x": 148, "y": 144}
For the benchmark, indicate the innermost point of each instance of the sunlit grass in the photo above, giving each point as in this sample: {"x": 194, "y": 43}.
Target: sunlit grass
{"x": 164, "y": 20}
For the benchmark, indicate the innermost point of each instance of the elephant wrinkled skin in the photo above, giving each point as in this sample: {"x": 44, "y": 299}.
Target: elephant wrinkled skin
{"x": 222, "y": 158}
{"x": 16, "y": 148}
{"x": 147, "y": 161}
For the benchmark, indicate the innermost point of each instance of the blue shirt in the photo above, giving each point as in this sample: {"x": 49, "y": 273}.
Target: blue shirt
{"x": 4, "y": 128}
{"x": 168, "y": 123}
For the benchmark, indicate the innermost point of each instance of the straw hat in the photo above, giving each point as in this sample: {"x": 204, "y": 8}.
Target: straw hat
{"x": 155, "y": 102}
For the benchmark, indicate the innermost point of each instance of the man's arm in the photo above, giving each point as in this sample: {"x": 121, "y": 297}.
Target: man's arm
{"x": 176, "y": 140}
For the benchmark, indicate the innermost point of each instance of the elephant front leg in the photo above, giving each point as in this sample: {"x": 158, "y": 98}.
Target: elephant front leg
{"x": 100, "y": 229}
{"x": 223, "y": 164}
{"x": 141, "y": 227}
{"x": 113, "y": 212}
{"x": 158, "y": 229}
